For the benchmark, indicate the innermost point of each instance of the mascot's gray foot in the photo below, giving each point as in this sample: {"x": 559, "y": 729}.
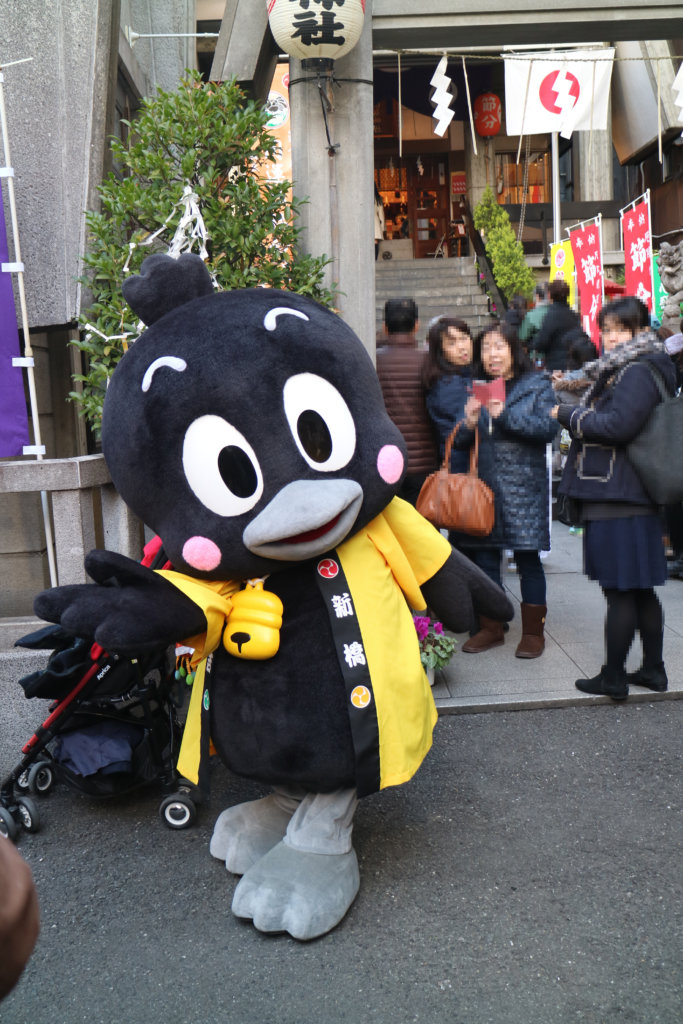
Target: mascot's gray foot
{"x": 305, "y": 894}
{"x": 245, "y": 833}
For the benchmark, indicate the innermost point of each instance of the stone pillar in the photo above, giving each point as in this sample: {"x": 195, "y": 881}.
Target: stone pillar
{"x": 338, "y": 219}
{"x": 593, "y": 168}
{"x": 480, "y": 169}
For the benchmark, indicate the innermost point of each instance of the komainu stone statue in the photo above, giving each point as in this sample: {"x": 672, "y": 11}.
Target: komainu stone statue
{"x": 670, "y": 263}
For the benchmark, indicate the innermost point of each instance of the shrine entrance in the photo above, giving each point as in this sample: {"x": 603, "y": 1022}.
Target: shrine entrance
{"x": 416, "y": 205}
{"x": 429, "y": 209}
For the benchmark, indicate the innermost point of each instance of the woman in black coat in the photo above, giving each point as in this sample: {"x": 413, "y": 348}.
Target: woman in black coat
{"x": 513, "y": 435}
{"x": 447, "y": 379}
{"x": 560, "y": 327}
{"x": 623, "y": 548}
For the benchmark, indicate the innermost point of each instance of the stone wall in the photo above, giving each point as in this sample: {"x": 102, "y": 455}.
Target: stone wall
{"x": 60, "y": 112}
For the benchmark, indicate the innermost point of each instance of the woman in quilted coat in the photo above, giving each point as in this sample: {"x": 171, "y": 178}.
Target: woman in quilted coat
{"x": 623, "y": 547}
{"x": 513, "y": 435}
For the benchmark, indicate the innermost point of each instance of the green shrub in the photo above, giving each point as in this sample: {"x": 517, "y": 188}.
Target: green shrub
{"x": 212, "y": 138}
{"x": 489, "y": 214}
{"x": 504, "y": 252}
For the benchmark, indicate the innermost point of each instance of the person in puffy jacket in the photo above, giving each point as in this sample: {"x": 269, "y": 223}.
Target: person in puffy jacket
{"x": 513, "y": 435}
{"x": 399, "y": 364}
{"x": 623, "y": 547}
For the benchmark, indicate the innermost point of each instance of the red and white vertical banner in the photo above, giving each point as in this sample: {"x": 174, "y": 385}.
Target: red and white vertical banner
{"x": 638, "y": 261}
{"x": 586, "y": 243}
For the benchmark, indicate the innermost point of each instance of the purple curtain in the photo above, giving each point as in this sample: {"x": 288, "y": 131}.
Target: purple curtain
{"x": 13, "y": 416}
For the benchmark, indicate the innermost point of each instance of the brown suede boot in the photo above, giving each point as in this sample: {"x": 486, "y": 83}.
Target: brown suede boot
{"x": 532, "y": 643}
{"x": 490, "y": 635}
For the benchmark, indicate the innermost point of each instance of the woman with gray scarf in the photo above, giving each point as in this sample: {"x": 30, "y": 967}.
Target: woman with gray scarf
{"x": 623, "y": 548}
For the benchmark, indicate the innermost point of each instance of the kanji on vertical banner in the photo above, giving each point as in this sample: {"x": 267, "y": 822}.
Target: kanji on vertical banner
{"x": 587, "y": 251}
{"x": 13, "y": 415}
{"x": 635, "y": 224}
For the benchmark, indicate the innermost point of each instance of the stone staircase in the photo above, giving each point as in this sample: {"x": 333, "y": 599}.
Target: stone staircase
{"x": 447, "y": 286}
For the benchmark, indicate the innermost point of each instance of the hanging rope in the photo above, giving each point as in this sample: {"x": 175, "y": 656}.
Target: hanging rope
{"x": 659, "y": 111}
{"x": 400, "y": 111}
{"x": 526, "y": 97}
{"x": 525, "y": 189}
{"x": 590, "y": 130}
{"x": 469, "y": 108}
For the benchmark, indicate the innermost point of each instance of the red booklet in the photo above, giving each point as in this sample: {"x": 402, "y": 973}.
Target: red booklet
{"x": 486, "y": 390}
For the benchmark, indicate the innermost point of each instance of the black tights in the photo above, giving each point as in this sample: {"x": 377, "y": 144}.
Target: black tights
{"x": 628, "y": 611}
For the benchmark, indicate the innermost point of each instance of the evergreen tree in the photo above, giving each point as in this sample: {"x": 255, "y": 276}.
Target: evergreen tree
{"x": 505, "y": 253}
{"x": 211, "y": 138}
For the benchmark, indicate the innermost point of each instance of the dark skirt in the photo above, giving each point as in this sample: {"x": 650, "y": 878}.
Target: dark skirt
{"x": 625, "y": 554}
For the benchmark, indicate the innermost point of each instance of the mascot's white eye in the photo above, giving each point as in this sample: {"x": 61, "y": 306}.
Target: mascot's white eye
{"x": 320, "y": 421}
{"x": 221, "y": 466}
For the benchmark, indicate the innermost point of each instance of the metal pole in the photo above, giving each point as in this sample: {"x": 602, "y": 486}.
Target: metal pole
{"x": 28, "y": 351}
{"x": 557, "y": 220}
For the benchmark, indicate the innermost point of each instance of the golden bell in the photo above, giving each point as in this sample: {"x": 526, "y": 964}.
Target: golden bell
{"x": 253, "y": 628}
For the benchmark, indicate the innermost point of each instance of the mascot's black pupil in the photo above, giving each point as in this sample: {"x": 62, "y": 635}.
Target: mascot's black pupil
{"x": 314, "y": 435}
{"x": 237, "y": 471}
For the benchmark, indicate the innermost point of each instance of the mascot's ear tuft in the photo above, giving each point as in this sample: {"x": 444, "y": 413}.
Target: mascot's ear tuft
{"x": 164, "y": 284}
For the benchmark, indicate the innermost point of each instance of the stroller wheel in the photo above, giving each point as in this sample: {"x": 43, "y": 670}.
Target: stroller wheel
{"x": 28, "y": 814}
{"x": 8, "y": 826}
{"x": 22, "y": 781}
{"x": 177, "y": 811}
{"x": 41, "y": 778}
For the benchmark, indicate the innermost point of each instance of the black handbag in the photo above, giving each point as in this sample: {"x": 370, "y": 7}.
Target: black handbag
{"x": 655, "y": 452}
{"x": 568, "y": 510}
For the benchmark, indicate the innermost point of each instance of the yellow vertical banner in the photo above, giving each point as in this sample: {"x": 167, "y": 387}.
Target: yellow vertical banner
{"x": 562, "y": 266}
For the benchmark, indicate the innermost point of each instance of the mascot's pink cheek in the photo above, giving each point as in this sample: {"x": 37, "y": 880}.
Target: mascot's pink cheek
{"x": 201, "y": 553}
{"x": 390, "y": 463}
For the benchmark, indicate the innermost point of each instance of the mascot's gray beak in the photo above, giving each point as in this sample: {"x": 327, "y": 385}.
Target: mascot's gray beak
{"x": 305, "y": 519}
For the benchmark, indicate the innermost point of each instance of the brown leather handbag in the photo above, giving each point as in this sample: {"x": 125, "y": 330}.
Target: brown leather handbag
{"x": 458, "y": 501}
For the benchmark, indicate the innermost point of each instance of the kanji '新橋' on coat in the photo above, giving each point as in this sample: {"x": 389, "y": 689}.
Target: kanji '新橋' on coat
{"x": 512, "y": 461}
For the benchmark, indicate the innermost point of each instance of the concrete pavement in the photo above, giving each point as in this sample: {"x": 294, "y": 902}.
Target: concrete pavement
{"x": 497, "y": 681}
{"x": 526, "y": 875}
{"x": 493, "y": 681}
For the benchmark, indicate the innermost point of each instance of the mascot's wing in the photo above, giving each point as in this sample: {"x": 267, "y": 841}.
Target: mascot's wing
{"x": 459, "y": 592}
{"x": 130, "y": 609}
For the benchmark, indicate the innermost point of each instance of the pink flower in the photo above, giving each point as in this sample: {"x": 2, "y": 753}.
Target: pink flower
{"x": 421, "y": 626}
{"x": 438, "y": 627}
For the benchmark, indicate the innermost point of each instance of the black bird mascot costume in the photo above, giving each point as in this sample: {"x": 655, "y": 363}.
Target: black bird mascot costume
{"x": 247, "y": 429}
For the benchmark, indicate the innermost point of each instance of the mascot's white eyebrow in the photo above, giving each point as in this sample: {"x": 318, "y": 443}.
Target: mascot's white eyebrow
{"x": 270, "y": 319}
{"x": 171, "y": 361}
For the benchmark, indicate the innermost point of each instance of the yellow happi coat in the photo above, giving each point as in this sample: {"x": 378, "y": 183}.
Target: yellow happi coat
{"x": 385, "y": 564}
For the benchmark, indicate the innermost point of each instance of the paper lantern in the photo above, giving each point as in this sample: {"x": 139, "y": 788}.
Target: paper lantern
{"x": 320, "y": 29}
{"x": 488, "y": 114}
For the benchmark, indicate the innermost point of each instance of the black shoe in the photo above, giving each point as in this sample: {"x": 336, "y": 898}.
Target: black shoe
{"x": 652, "y": 678}
{"x": 675, "y": 569}
{"x": 607, "y": 682}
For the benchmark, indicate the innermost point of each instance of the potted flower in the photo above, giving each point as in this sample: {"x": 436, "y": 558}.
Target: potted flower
{"x": 436, "y": 648}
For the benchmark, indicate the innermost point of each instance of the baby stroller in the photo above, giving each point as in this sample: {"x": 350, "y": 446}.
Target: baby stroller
{"x": 112, "y": 727}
